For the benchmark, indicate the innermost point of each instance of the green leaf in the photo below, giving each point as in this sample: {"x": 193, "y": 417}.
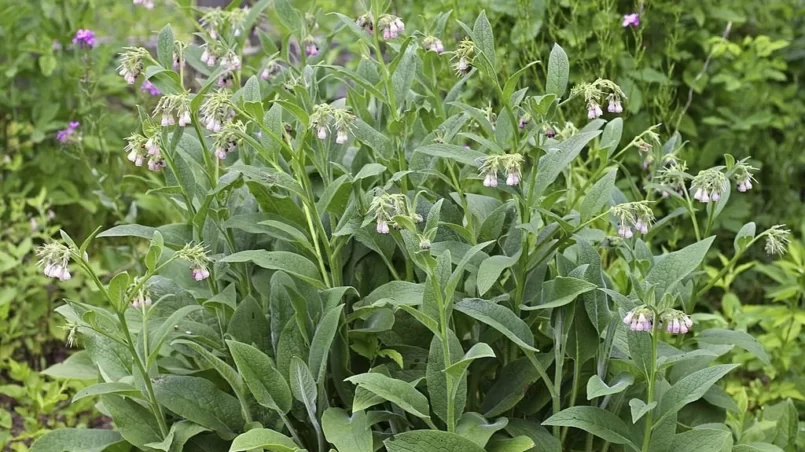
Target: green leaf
{"x": 179, "y": 434}
{"x": 370, "y": 170}
{"x": 490, "y": 270}
{"x": 107, "y": 388}
{"x": 718, "y": 336}
{"x": 174, "y": 234}
{"x": 263, "y": 438}
{"x": 691, "y": 388}
{"x": 437, "y": 379}
{"x": 303, "y": 387}
{"x": 598, "y": 195}
{"x": 430, "y": 440}
{"x": 165, "y": 47}
{"x": 249, "y": 325}
{"x": 135, "y": 423}
{"x": 559, "y": 157}
{"x": 601, "y": 423}
{"x": 518, "y": 444}
{"x": 483, "y": 38}
{"x": 347, "y": 433}
{"x": 367, "y": 135}
{"x": 543, "y": 440}
{"x": 199, "y": 400}
{"x": 322, "y": 341}
{"x": 261, "y": 376}
{"x": 596, "y": 387}
{"x": 452, "y": 152}
{"x": 288, "y": 16}
{"x": 745, "y": 236}
{"x": 664, "y": 362}
{"x": 702, "y": 440}
{"x": 403, "y": 76}
{"x": 499, "y": 318}
{"x": 558, "y": 72}
{"x": 561, "y": 291}
{"x": 752, "y": 447}
{"x": 639, "y": 409}
{"x": 77, "y": 366}
{"x": 395, "y": 391}
{"x": 291, "y": 263}
{"x": 611, "y": 137}
{"x": 118, "y": 287}
{"x": 166, "y": 327}
{"x": 154, "y": 251}
{"x": 76, "y": 439}
{"x": 673, "y": 267}
{"x": 479, "y": 350}
{"x": 477, "y": 429}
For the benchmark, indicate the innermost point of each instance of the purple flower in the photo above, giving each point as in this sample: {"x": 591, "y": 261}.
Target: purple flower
{"x": 64, "y": 135}
{"x": 84, "y": 38}
{"x": 149, "y": 88}
{"x": 631, "y": 20}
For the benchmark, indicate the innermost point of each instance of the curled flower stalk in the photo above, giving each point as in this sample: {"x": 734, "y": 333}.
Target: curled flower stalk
{"x": 633, "y": 217}
{"x": 594, "y": 93}
{"x": 385, "y": 207}
{"x": 708, "y": 185}
{"x": 196, "y": 256}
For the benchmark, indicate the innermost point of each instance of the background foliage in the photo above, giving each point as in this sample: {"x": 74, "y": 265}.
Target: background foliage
{"x": 724, "y": 76}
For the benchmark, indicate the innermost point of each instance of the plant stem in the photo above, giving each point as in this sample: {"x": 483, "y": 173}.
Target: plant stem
{"x": 651, "y": 382}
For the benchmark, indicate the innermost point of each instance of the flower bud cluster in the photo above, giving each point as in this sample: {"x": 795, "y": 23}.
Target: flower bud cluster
{"x": 391, "y": 26}
{"x": 54, "y": 257}
{"x": 594, "y": 93}
{"x": 131, "y": 63}
{"x": 326, "y": 117}
{"x": 196, "y": 256}
{"x": 636, "y": 216}
{"x": 708, "y": 185}
{"x": 173, "y": 109}
{"x": 511, "y": 164}
{"x": 463, "y": 56}
{"x": 385, "y": 207}
{"x": 216, "y": 110}
{"x": 140, "y": 148}
{"x": 228, "y": 138}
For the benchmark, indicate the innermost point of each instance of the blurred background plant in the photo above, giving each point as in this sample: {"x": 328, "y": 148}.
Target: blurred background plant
{"x": 63, "y": 116}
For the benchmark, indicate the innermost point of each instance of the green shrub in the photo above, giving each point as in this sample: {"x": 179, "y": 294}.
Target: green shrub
{"x": 369, "y": 256}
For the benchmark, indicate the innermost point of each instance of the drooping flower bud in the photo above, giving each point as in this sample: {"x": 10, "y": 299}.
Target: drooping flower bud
{"x": 341, "y": 136}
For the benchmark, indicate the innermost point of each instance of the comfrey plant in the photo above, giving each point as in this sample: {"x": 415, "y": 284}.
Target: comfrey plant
{"x": 351, "y": 273}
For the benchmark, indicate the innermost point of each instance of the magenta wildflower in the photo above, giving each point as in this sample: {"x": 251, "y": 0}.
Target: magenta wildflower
{"x": 64, "y": 135}
{"x": 149, "y": 88}
{"x": 84, "y": 38}
{"x": 631, "y": 20}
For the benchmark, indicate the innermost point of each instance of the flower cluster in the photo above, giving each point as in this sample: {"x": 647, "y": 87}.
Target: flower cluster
{"x": 463, "y": 57}
{"x": 672, "y": 175}
{"x": 743, "y": 176}
{"x": 365, "y": 21}
{"x": 84, "y": 38}
{"x": 510, "y": 163}
{"x": 433, "y": 44}
{"x": 631, "y": 20}
{"x": 385, "y": 207}
{"x": 777, "y": 239}
{"x": 325, "y": 117}
{"x": 311, "y": 48}
{"x": 633, "y": 215}
{"x": 141, "y": 299}
{"x": 64, "y": 135}
{"x": 140, "y": 148}
{"x": 148, "y": 4}
{"x": 54, "y": 257}
{"x": 708, "y": 185}
{"x": 173, "y": 109}
{"x": 676, "y": 322}
{"x": 596, "y": 91}
{"x": 271, "y": 67}
{"x": 216, "y": 110}
{"x": 131, "y": 63}
{"x": 196, "y": 255}
{"x": 392, "y": 26}
{"x": 149, "y": 88}
{"x": 226, "y": 140}
{"x": 640, "y": 319}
